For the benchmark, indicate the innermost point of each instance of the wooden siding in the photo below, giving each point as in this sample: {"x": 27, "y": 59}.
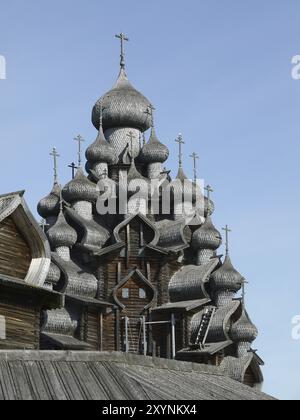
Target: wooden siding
{"x": 21, "y": 327}
{"x": 93, "y": 330}
{"x": 15, "y": 254}
{"x": 249, "y": 378}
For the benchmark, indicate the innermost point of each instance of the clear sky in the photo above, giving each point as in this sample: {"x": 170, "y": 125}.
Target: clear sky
{"x": 219, "y": 71}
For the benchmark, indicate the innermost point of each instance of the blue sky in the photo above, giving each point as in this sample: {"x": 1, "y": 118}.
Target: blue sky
{"x": 217, "y": 71}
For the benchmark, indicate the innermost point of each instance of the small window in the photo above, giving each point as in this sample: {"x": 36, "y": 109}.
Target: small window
{"x": 125, "y": 293}
{"x": 142, "y": 294}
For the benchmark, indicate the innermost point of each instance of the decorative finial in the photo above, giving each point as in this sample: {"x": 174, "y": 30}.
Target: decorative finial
{"x": 55, "y": 155}
{"x": 80, "y": 140}
{"x": 131, "y": 138}
{"x": 73, "y": 167}
{"x": 180, "y": 142}
{"x": 227, "y": 230}
{"x": 122, "y": 38}
{"x": 195, "y": 157}
{"x": 209, "y": 190}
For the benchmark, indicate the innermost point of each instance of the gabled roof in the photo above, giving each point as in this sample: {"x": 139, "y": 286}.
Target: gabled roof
{"x": 60, "y": 375}
{"x": 141, "y": 277}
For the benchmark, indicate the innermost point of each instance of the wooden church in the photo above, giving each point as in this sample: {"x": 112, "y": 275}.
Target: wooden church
{"x": 139, "y": 278}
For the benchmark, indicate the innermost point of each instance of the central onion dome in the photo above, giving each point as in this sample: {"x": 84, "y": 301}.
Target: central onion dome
{"x": 207, "y": 236}
{"x": 227, "y": 277}
{"x": 123, "y": 106}
{"x": 101, "y": 150}
{"x": 49, "y": 206}
{"x": 154, "y": 151}
{"x": 80, "y": 189}
{"x": 243, "y": 330}
{"x": 62, "y": 234}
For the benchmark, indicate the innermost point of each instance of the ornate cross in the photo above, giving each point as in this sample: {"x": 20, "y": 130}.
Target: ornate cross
{"x": 80, "y": 140}
{"x": 180, "y": 142}
{"x": 55, "y": 155}
{"x": 195, "y": 157}
{"x": 73, "y": 167}
{"x": 122, "y": 38}
{"x": 209, "y": 190}
{"x": 43, "y": 224}
{"x": 131, "y": 138}
{"x": 227, "y": 230}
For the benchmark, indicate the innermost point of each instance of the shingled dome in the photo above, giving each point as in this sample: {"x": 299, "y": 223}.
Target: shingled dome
{"x": 101, "y": 150}
{"x": 243, "y": 330}
{"x": 49, "y": 206}
{"x": 226, "y": 277}
{"x": 154, "y": 151}
{"x": 62, "y": 234}
{"x": 80, "y": 189}
{"x": 123, "y": 106}
{"x": 207, "y": 236}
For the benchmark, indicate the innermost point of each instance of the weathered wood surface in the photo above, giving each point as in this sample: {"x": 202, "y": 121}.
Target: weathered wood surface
{"x": 113, "y": 376}
{"x": 21, "y": 327}
{"x": 15, "y": 254}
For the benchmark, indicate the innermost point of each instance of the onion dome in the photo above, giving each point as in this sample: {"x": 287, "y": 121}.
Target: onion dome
{"x": 154, "y": 151}
{"x": 54, "y": 274}
{"x": 49, "y": 206}
{"x": 226, "y": 277}
{"x": 80, "y": 189}
{"x": 123, "y": 106}
{"x": 243, "y": 330}
{"x": 101, "y": 150}
{"x": 135, "y": 181}
{"x": 186, "y": 186}
{"x": 209, "y": 207}
{"x": 207, "y": 236}
{"x": 62, "y": 234}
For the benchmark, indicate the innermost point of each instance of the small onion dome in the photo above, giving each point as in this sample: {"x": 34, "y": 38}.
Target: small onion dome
{"x": 53, "y": 276}
{"x": 62, "y": 234}
{"x": 123, "y": 106}
{"x": 243, "y": 330}
{"x": 135, "y": 181}
{"x": 185, "y": 186}
{"x": 226, "y": 277}
{"x": 80, "y": 189}
{"x": 49, "y": 206}
{"x": 154, "y": 151}
{"x": 101, "y": 151}
{"x": 209, "y": 207}
{"x": 207, "y": 236}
